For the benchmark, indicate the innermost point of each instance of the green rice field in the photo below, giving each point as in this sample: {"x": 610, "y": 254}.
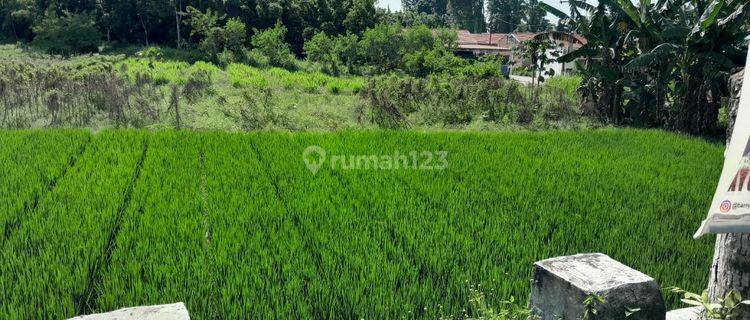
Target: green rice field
{"x": 236, "y": 226}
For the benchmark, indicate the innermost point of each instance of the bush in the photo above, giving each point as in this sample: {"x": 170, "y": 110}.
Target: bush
{"x": 418, "y": 38}
{"x": 270, "y": 43}
{"x": 332, "y": 52}
{"x": 569, "y": 84}
{"x": 381, "y": 47}
{"x": 235, "y": 35}
{"x": 435, "y": 60}
{"x": 459, "y": 100}
{"x": 322, "y": 49}
{"x": 478, "y": 69}
{"x": 67, "y": 34}
{"x": 224, "y": 44}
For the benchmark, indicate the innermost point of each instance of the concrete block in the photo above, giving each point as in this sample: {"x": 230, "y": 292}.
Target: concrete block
{"x": 176, "y": 311}
{"x": 685, "y": 314}
{"x": 562, "y": 284}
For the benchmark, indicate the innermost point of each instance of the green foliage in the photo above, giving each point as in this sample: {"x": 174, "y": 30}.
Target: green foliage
{"x": 67, "y": 34}
{"x": 658, "y": 65}
{"x": 219, "y": 43}
{"x": 591, "y": 305}
{"x": 141, "y": 218}
{"x": 569, "y": 84}
{"x": 726, "y": 308}
{"x": 381, "y": 47}
{"x": 112, "y": 91}
{"x": 270, "y": 43}
{"x": 505, "y": 16}
{"x": 322, "y": 49}
{"x": 482, "y": 309}
{"x": 235, "y": 35}
{"x": 456, "y": 100}
{"x": 432, "y": 61}
{"x": 163, "y": 22}
{"x": 242, "y": 76}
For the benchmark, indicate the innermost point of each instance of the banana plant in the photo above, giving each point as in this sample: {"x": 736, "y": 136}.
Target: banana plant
{"x": 662, "y": 64}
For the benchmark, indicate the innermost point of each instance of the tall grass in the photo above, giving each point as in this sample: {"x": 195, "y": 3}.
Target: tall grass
{"x": 149, "y": 92}
{"x": 243, "y": 76}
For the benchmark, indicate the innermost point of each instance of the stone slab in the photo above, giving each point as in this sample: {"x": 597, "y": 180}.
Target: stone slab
{"x": 562, "y": 284}
{"x": 176, "y": 311}
{"x": 685, "y": 314}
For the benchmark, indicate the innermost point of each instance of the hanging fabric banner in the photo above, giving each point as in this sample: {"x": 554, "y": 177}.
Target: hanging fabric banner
{"x": 730, "y": 208}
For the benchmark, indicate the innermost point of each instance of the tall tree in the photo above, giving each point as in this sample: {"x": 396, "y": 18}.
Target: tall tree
{"x": 467, "y": 14}
{"x": 535, "y": 18}
{"x": 438, "y": 7}
{"x": 505, "y": 15}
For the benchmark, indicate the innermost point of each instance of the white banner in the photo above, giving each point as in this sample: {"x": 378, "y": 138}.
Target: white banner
{"x": 730, "y": 209}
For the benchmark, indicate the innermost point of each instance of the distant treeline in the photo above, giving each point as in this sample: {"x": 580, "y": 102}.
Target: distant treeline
{"x": 162, "y": 21}
{"x": 149, "y": 22}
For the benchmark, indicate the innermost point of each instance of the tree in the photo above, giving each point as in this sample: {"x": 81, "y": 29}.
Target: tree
{"x": 321, "y": 49}
{"x": 234, "y": 35}
{"x": 360, "y": 16}
{"x": 467, "y": 14}
{"x": 67, "y": 34}
{"x": 270, "y": 43}
{"x": 17, "y": 18}
{"x": 381, "y": 47}
{"x": 438, "y": 7}
{"x": 505, "y": 15}
{"x": 535, "y": 18}
{"x": 214, "y": 39}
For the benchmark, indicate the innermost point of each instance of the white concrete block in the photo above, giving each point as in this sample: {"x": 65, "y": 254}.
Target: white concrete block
{"x": 176, "y": 311}
{"x": 562, "y": 284}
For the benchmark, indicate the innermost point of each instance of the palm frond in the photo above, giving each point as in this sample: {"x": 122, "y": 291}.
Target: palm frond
{"x": 708, "y": 17}
{"x": 579, "y": 53}
{"x": 552, "y": 10}
{"x": 630, "y": 10}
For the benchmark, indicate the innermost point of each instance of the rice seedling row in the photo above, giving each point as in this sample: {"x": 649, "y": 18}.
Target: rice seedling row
{"x": 266, "y": 273}
{"x": 162, "y": 250}
{"x": 35, "y": 164}
{"x": 354, "y": 249}
{"x": 48, "y": 266}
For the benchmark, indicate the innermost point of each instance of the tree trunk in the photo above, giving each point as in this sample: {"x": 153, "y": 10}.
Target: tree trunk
{"x": 731, "y": 266}
{"x": 177, "y": 10}
{"x": 145, "y": 29}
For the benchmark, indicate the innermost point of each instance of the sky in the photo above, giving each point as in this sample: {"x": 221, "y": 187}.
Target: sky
{"x": 395, "y": 5}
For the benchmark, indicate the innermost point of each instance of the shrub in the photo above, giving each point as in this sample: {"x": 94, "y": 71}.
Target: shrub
{"x": 67, "y": 34}
{"x": 235, "y": 35}
{"x": 435, "y": 60}
{"x": 478, "y": 69}
{"x": 270, "y": 43}
{"x": 569, "y": 84}
{"x": 460, "y": 100}
{"x": 381, "y": 47}
{"x": 215, "y": 40}
{"x": 346, "y": 47}
{"x": 321, "y": 49}
{"x": 418, "y": 38}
